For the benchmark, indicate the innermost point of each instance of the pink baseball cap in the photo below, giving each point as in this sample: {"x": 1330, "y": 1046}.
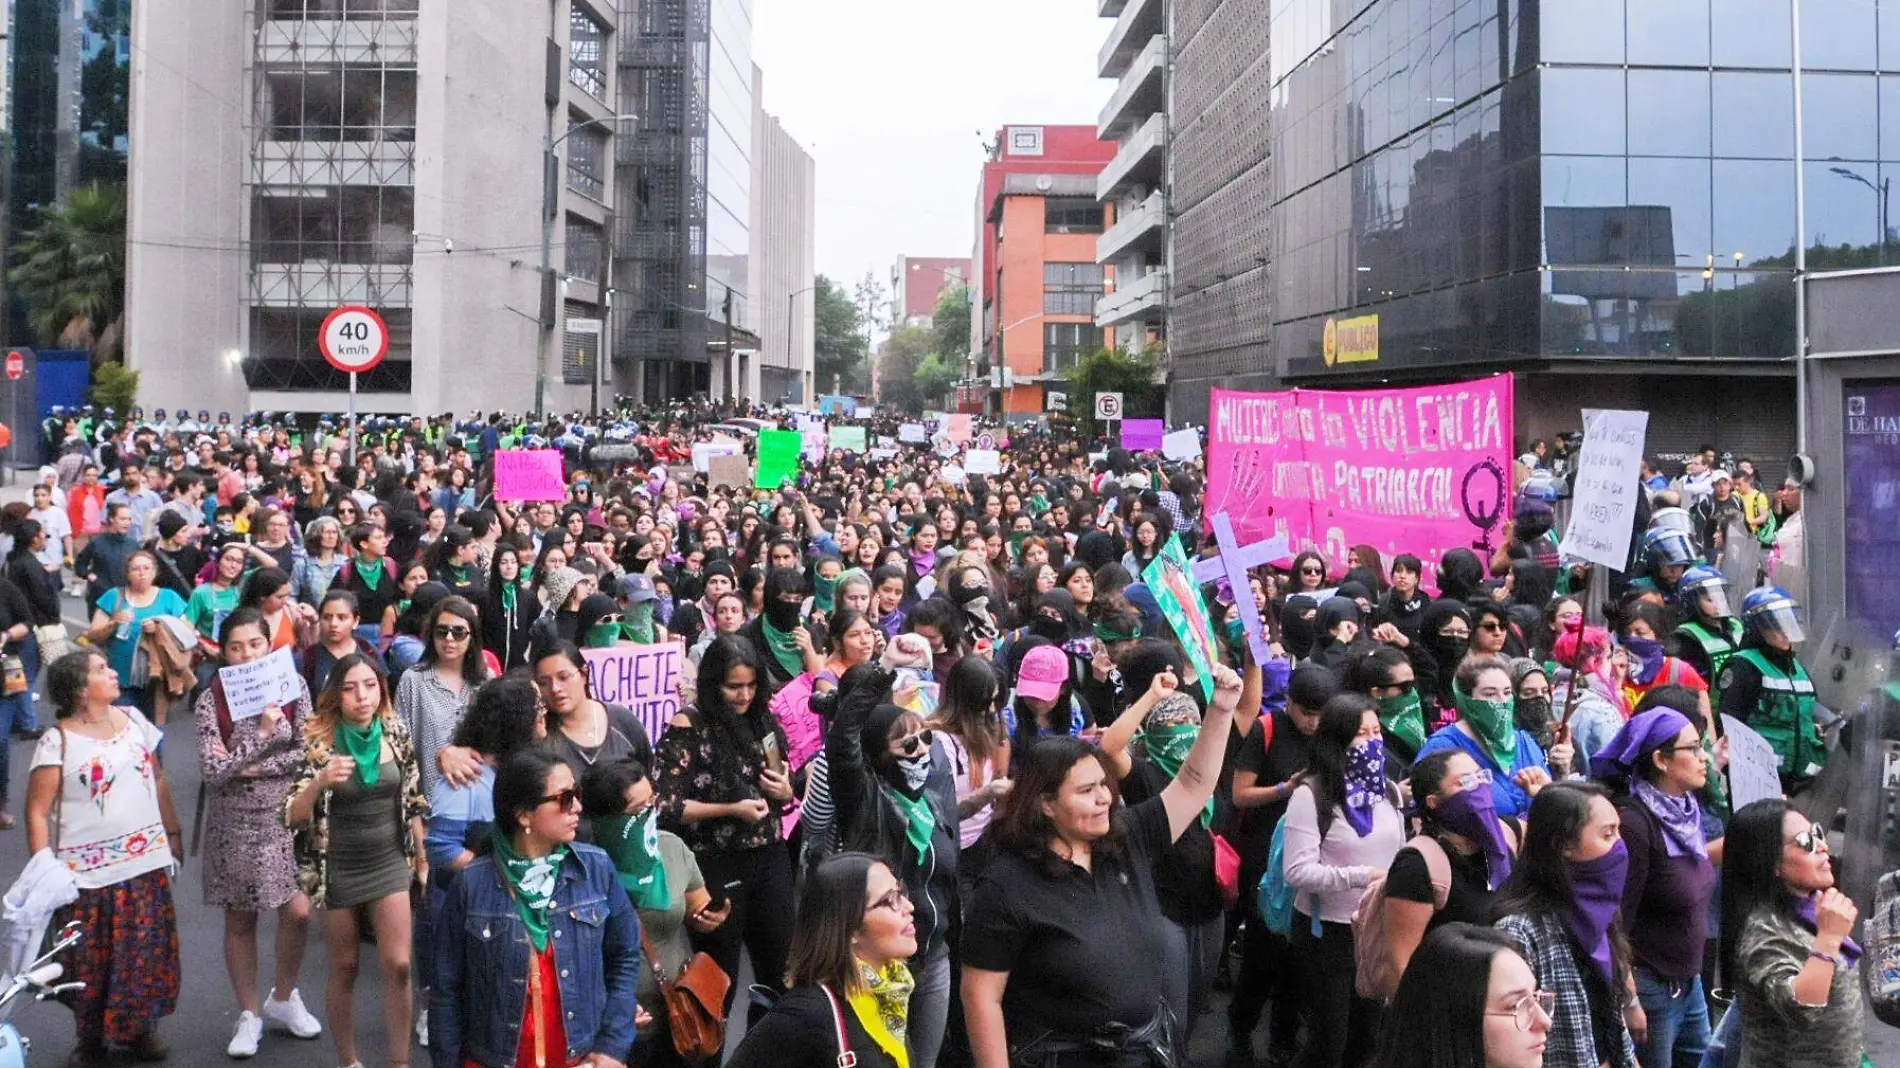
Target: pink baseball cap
{"x": 1045, "y": 668}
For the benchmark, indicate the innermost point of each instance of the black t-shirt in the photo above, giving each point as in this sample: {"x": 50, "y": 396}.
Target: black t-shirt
{"x": 1271, "y": 764}
{"x": 1470, "y": 898}
{"x": 1081, "y": 947}
{"x": 1184, "y": 875}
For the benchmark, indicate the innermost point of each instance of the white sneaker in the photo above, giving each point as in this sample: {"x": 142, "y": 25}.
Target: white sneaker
{"x": 422, "y": 1028}
{"x": 250, "y": 1031}
{"x": 290, "y": 1015}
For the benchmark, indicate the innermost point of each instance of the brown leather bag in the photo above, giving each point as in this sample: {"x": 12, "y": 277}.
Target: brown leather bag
{"x": 695, "y": 1003}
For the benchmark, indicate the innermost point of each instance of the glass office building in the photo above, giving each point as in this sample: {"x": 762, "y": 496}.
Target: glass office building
{"x": 1567, "y": 184}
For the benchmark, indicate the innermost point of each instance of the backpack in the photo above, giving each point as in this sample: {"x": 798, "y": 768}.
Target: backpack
{"x": 1375, "y": 974}
{"x": 1276, "y": 895}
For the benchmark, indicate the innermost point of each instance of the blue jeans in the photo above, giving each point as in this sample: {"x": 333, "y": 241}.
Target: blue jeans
{"x": 16, "y": 712}
{"x": 929, "y": 1006}
{"x": 1678, "y": 1021}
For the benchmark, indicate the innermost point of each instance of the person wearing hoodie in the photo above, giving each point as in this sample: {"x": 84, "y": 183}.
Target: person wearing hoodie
{"x": 1403, "y": 604}
{"x": 969, "y": 590}
{"x": 773, "y": 631}
{"x": 597, "y": 622}
{"x": 562, "y": 591}
{"x": 1335, "y": 627}
{"x": 894, "y": 798}
{"x": 1444, "y": 639}
{"x": 1460, "y": 575}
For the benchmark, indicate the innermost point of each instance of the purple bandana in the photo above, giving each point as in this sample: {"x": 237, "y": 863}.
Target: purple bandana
{"x": 1365, "y": 783}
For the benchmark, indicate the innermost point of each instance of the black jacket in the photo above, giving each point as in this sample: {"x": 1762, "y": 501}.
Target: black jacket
{"x": 40, "y": 586}
{"x": 801, "y": 1031}
{"x": 868, "y": 820}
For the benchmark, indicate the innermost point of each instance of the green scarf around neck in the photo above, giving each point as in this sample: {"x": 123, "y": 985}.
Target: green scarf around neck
{"x": 634, "y": 844}
{"x": 1494, "y": 723}
{"x": 371, "y": 574}
{"x": 784, "y": 647}
{"x": 1168, "y": 747}
{"x": 1403, "y": 718}
{"x": 920, "y": 820}
{"x": 531, "y": 883}
{"x": 363, "y": 745}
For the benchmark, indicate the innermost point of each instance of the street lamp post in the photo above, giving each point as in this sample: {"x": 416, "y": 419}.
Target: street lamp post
{"x": 1880, "y": 201}
{"x": 550, "y": 189}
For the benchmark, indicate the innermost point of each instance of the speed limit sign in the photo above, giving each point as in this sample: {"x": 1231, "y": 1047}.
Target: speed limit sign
{"x": 1108, "y": 406}
{"x": 354, "y": 338}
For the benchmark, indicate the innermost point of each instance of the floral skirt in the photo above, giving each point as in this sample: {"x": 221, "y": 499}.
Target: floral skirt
{"x": 128, "y": 959}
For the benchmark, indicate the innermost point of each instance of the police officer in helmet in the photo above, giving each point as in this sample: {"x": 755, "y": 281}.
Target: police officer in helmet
{"x": 1709, "y": 634}
{"x": 1765, "y": 686}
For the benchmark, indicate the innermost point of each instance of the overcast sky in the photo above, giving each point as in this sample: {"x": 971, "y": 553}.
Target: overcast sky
{"x": 889, "y": 97}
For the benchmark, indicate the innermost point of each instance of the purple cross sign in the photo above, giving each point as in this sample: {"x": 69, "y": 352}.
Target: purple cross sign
{"x": 1232, "y": 564}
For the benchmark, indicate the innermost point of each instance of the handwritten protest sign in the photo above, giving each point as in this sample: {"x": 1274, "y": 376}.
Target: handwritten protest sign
{"x": 704, "y": 451}
{"x": 1403, "y": 470}
{"x": 1142, "y": 435}
{"x": 983, "y": 462}
{"x": 644, "y": 678}
{"x": 1754, "y": 771}
{"x": 848, "y": 438}
{"x": 529, "y": 475}
{"x": 1605, "y": 487}
{"x": 730, "y": 471}
{"x": 1171, "y": 580}
{"x": 1182, "y": 444}
{"x": 251, "y": 688}
{"x": 913, "y": 433}
{"x": 778, "y": 458}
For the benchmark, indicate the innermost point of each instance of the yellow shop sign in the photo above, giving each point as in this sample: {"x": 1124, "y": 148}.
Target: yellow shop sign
{"x": 1353, "y": 340}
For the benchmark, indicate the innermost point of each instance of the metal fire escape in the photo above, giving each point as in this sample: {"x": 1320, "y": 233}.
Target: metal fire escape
{"x": 660, "y": 203}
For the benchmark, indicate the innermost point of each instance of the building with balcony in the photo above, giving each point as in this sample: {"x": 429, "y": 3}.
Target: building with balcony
{"x": 1038, "y": 278}
{"x": 1136, "y": 181}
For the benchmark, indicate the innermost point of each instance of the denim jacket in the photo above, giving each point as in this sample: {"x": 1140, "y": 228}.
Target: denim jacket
{"x": 482, "y": 956}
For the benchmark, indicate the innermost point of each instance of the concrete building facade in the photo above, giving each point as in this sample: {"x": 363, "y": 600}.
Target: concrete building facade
{"x": 1038, "y": 281}
{"x": 784, "y": 264}
{"x": 1136, "y": 182}
{"x": 918, "y": 281}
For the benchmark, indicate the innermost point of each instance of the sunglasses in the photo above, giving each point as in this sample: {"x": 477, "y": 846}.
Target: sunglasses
{"x": 452, "y": 634}
{"x": 1491, "y": 625}
{"x": 1811, "y": 840}
{"x": 569, "y": 799}
{"x": 1311, "y": 571}
{"x": 916, "y": 741}
{"x": 1400, "y": 689}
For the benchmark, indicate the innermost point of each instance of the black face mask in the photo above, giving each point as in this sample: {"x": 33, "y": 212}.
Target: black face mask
{"x": 1450, "y": 650}
{"x": 1050, "y": 627}
{"x": 781, "y": 614}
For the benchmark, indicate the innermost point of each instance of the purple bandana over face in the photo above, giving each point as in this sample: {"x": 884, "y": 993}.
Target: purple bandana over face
{"x": 1596, "y": 891}
{"x": 1365, "y": 783}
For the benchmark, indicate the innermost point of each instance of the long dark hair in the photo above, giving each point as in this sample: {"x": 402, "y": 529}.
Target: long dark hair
{"x": 1751, "y": 871}
{"x": 262, "y": 583}
{"x": 1339, "y": 723}
{"x": 1022, "y": 827}
{"x": 968, "y": 709}
{"x": 1436, "y": 1019}
{"x": 741, "y": 729}
{"x": 501, "y": 718}
{"x": 830, "y": 911}
{"x": 474, "y": 666}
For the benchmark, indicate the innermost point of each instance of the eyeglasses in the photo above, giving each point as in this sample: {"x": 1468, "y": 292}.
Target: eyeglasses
{"x": 451, "y": 634}
{"x": 1672, "y": 750}
{"x": 569, "y": 799}
{"x": 1471, "y": 780}
{"x": 1812, "y": 840}
{"x": 916, "y": 741}
{"x": 896, "y": 901}
{"x": 1542, "y": 1001}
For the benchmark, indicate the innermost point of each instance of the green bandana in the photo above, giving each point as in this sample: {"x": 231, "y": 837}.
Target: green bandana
{"x": 637, "y": 624}
{"x": 371, "y": 574}
{"x": 1494, "y": 723}
{"x": 1168, "y": 747}
{"x": 784, "y": 647}
{"x": 1109, "y": 634}
{"x": 920, "y": 822}
{"x": 824, "y": 593}
{"x": 531, "y": 883}
{"x": 1401, "y": 718}
{"x": 508, "y": 600}
{"x": 634, "y": 843}
{"x": 365, "y": 746}
{"x": 601, "y": 636}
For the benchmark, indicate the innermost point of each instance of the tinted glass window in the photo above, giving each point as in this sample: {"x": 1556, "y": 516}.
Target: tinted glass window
{"x": 1671, "y": 32}
{"x": 1751, "y": 33}
{"x": 1754, "y": 209}
{"x": 1669, "y": 112}
{"x": 1837, "y": 34}
{"x": 1839, "y": 113}
{"x": 1679, "y": 189}
{"x": 1583, "y": 111}
{"x": 1754, "y": 115}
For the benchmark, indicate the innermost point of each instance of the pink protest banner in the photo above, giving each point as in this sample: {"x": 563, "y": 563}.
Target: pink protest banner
{"x": 1403, "y": 470}
{"x": 962, "y": 428}
{"x": 644, "y": 678}
{"x": 1143, "y": 435}
{"x": 529, "y": 475}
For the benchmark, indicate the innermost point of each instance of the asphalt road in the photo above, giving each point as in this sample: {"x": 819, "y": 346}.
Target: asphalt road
{"x": 201, "y": 1026}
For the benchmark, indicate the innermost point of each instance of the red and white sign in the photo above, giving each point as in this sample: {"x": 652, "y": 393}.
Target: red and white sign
{"x": 354, "y": 338}
{"x": 16, "y": 365}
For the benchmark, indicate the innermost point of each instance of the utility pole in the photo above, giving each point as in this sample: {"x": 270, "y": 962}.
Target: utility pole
{"x": 732, "y": 391}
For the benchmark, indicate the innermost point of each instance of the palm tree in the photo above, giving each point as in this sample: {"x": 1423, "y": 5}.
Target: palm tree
{"x": 70, "y": 272}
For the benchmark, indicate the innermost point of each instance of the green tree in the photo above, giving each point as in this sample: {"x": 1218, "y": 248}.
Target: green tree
{"x": 70, "y": 272}
{"x": 839, "y": 340}
{"x": 114, "y": 385}
{"x": 935, "y": 377}
{"x": 1114, "y": 371}
{"x": 899, "y": 361}
{"x": 950, "y": 325}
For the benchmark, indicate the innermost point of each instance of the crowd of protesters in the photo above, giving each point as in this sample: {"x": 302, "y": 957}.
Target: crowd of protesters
{"x": 942, "y": 775}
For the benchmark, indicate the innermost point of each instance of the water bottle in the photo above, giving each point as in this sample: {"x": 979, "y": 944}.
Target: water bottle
{"x": 124, "y": 630}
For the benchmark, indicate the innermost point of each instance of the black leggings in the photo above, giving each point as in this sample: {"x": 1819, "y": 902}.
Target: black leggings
{"x": 1268, "y": 972}
{"x": 761, "y": 920}
{"x": 1342, "y": 1028}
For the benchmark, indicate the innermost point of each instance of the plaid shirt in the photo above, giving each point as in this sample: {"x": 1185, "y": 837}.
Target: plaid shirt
{"x": 1171, "y": 504}
{"x": 1547, "y": 950}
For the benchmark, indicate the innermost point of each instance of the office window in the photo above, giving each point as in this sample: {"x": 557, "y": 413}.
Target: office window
{"x": 586, "y": 53}
{"x": 1071, "y": 215}
{"x": 586, "y": 249}
{"x": 1071, "y": 288}
{"x": 587, "y": 161}
{"x": 1063, "y": 344}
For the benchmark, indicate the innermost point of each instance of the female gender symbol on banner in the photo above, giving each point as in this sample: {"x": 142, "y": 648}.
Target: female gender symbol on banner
{"x": 1232, "y": 564}
{"x": 1485, "y": 521}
